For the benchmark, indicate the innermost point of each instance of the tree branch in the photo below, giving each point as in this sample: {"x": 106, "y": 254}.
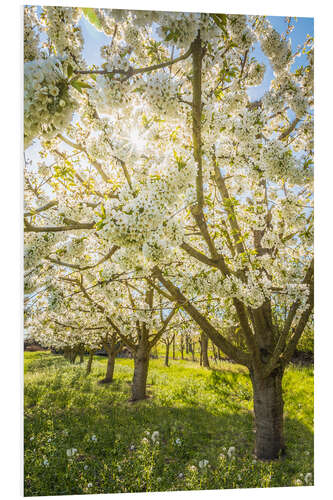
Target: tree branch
{"x": 136, "y": 71}
{"x": 95, "y": 163}
{"x": 197, "y": 55}
{"x": 288, "y": 131}
{"x": 35, "y": 211}
{"x": 28, "y": 228}
{"x": 232, "y": 351}
{"x": 84, "y": 268}
{"x": 280, "y": 345}
{"x": 164, "y": 327}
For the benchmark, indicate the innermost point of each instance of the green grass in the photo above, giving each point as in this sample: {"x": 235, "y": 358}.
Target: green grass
{"x": 208, "y": 411}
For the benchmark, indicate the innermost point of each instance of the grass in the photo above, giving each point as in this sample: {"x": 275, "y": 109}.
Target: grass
{"x": 198, "y": 413}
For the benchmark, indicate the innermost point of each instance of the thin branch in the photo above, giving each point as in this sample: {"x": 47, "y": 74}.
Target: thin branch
{"x": 288, "y": 131}
{"x": 34, "y": 211}
{"x": 95, "y": 163}
{"x": 136, "y": 71}
{"x": 79, "y": 268}
{"x": 28, "y": 228}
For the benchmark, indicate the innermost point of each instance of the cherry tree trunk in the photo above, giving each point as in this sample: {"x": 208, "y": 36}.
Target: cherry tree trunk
{"x": 166, "y": 359}
{"x": 81, "y": 357}
{"x": 268, "y": 411}
{"x": 204, "y": 350}
{"x": 192, "y": 351}
{"x": 187, "y": 345}
{"x": 73, "y": 356}
{"x": 139, "y": 382}
{"x": 214, "y": 352}
{"x": 90, "y": 360}
{"x": 109, "y": 367}
{"x": 174, "y": 348}
{"x": 182, "y": 347}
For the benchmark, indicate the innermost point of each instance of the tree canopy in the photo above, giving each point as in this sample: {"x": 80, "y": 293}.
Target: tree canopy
{"x": 162, "y": 187}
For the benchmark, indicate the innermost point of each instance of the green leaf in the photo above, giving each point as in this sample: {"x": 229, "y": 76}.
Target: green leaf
{"x": 90, "y": 14}
{"x": 69, "y": 70}
{"x": 221, "y": 21}
{"x": 80, "y": 85}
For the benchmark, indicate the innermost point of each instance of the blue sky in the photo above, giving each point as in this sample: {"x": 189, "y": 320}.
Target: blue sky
{"x": 304, "y": 25}
{"x": 94, "y": 40}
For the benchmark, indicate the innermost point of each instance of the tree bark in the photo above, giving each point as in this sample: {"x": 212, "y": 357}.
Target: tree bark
{"x": 204, "y": 350}
{"x": 182, "y": 347}
{"x": 192, "y": 351}
{"x": 110, "y": 366}
{"x": 166, "y": 359}
{"x": 72, "y": 357}
{"x": 214, "y": 352}
{"x": 139, "y": 383}
{"x": 268, "y": 412}
{"x": 90, "y": 360}
{"x": 81, "y": 357}
{"x": 174, "y": 348}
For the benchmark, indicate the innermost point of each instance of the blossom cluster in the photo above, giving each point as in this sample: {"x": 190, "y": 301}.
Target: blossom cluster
{"x": 48, "y": 103}
{"x": 62, "y": 29}
{"x": 31, "y": 34}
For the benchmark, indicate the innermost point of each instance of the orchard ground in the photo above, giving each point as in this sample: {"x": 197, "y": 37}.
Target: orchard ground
{"x": 195, "y": 431}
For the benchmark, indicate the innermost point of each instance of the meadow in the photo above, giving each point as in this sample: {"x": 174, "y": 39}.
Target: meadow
{"x": 195, "y": 431}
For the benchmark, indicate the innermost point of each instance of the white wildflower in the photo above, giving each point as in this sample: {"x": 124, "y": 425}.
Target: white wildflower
{"x": 203, "y": 463}
{"x": 308, "y": 478}
{"x": 71, "y": 452}
{"x": 155, "y": 435}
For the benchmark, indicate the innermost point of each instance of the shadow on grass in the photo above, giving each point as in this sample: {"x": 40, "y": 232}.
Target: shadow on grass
{"x": 121, "y": 431}
{"x": 198, "y": 416}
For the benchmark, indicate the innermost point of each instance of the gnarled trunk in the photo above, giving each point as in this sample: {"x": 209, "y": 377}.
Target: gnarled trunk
{"x": 268, "y": 411}
{"x": 81, "y": 357}
{"x": 89, "y": 363}
{"x": 204, "y": 350}
{"x": 174, "y": 347}
{"x": 139, "y": 383}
